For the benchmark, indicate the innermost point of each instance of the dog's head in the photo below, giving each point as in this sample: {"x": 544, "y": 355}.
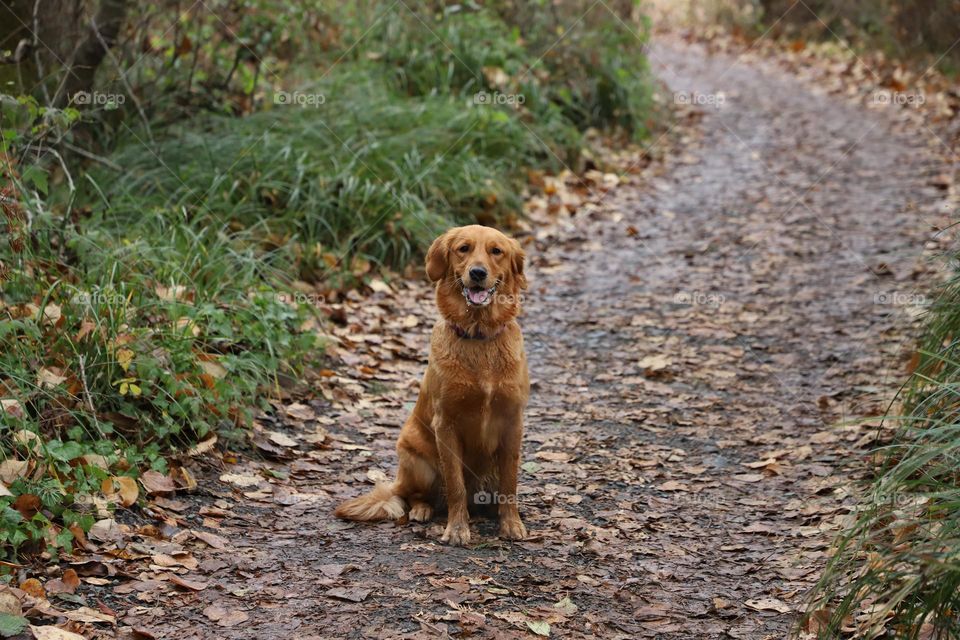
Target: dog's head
{"x": 479, "y": 274}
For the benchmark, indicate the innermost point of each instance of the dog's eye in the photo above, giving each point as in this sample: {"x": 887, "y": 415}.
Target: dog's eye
{"x": 496, "y": 251}
{"x": 464, "y": 248}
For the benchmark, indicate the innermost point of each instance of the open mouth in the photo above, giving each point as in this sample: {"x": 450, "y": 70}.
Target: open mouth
{"x": 478, "y": 296}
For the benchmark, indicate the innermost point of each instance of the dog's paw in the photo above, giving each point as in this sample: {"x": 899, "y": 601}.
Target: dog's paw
{"x": 512, "y": 529}
{"x": 457, "y": 534}
{"x": 420, "y": 512}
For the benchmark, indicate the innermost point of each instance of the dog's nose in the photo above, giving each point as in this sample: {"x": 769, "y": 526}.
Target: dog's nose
{"x": 478, "y": 274}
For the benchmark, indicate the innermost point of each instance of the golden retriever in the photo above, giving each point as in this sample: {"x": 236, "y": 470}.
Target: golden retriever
{"x": 461, "y": 444}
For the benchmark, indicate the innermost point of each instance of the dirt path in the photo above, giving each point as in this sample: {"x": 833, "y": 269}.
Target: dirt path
{"x": 692, "y": 345}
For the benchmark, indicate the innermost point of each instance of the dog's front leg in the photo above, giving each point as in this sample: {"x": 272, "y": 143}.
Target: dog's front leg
{"x": 508, "y": 461}
{"x": 450, "y": 451}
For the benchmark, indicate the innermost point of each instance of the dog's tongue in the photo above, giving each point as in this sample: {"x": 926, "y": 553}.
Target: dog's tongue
{"x": 477, "y": 296}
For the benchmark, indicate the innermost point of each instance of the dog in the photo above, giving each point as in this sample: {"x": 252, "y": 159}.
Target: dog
{"x": 460, "y": 447}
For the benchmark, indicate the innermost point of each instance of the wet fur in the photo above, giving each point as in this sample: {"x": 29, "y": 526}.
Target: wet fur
{"x": 464, "y": 434}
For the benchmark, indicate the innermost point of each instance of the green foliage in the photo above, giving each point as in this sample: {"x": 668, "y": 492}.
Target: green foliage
{"x": 898, "y": 565}
{"x": 11, "y": 625}
{"x": 121, "y": 347}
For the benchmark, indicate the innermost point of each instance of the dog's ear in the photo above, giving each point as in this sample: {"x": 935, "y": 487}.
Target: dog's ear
{"x": 517, "y": 258}
{"x": 438, "y": 257}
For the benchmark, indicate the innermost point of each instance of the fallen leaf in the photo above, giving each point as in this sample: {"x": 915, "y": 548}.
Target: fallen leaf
{"x": 86, "y": 614}
{"x": 12, "y": 625}
{"x": 68, "y": 583}
{"x": 224, "y": 617}
{"x": 203, "y": 446}
{"x": 155, "y": 482}
{"x": 240, "y": 480}
{"x": 106, "y": 530}
{"x": 49, "y": 378}
{"x": 539, "y": 627}
{"x": 122, "y": 489}
{"x": 281, "y": 439}
{"x": 352, "y": 594}
{"x": 554, "y": 456}
{"x": 213, "y": 369}
{"x": 11, "y": 470}
{"x": 300, "y": 411}
{"x": 32, "y": 587}
{"x": 192, "y": 585}
{"x": 768, "y": 604}
{"x": 566, "y": 607}
{"x": 49, "y": 632}
{"x": 11, "y": 407}
{"x": 211, "y": 539}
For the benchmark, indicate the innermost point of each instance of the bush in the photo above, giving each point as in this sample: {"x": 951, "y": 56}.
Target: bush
{"x": 116, "y": 350}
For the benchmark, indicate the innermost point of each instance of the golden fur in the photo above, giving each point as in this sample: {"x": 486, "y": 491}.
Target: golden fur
{"x": 461, "y": 444}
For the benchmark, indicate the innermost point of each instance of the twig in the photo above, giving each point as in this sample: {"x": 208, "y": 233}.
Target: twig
{"x": 36, "y": 52}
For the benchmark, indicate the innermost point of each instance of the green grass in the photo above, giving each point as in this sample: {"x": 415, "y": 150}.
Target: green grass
{"x": 365, "y": 174}
{"x": 897, "y": 567}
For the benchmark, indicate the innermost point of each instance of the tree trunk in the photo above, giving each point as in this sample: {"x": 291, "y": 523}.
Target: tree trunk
{"x": 101, "y": 34}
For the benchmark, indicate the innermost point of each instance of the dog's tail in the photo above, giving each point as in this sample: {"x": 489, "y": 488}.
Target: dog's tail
{"x": 380, "y": 504}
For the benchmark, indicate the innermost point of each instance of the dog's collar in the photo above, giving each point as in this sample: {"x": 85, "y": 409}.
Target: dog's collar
{"x": 462, "y": 333}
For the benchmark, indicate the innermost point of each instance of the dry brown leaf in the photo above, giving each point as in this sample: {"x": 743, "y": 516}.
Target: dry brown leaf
{"x": 351, "y": 594}
{"x": 768, "y": 604}
{"x": 299, "y": 411}
{"x": 213, "y": 369}
{"x": 11, "y": 407}
{"x": 155, "y": 482}
{"x": 211, "y": 539}
{"x": 106, "y": 530}
{"x": 11, "y": 470}
{"x": 32, "y": 587}
{"x": 9, "y": 603}
{"x": 122, "y": 489}
{"x": 281, "y": 439}
{"x": 86, "y": 614}
{"x": 50, "y": 632}
{"x": 68, "y": 583}
{"x": 240, "y": 480}
{"x": 50, "y": 378}
{"x": 192, "y": 585}
{"x": 203, "y": 446}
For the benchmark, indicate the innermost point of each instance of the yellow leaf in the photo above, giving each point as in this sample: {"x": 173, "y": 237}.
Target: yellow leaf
{"x": 125, "y": 357}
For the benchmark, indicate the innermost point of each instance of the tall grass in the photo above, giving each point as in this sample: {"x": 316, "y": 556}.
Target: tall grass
{"x": 896, "y": 572}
